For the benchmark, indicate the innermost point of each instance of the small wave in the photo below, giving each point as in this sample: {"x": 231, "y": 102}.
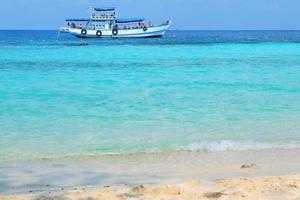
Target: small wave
{"x": 229, "y": 145}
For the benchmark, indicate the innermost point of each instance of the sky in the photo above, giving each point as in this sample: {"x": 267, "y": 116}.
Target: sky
{"x": 185, "y": 14}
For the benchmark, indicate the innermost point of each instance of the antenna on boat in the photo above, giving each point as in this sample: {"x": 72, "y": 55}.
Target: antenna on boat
{"x": 90, "y": 8}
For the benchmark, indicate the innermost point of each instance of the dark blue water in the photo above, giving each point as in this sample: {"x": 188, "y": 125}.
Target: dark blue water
{"x": 15, "y": 37}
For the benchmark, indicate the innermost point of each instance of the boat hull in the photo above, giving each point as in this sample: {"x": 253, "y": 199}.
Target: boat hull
{"x": 157, "y": 31}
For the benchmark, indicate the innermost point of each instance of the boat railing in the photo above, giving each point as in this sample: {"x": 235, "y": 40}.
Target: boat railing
{"x": 78, "y": 26}
{"x": 103, "y": 17}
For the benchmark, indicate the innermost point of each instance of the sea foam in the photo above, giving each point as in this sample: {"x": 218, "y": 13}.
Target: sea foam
{"x": 230, "y": 145}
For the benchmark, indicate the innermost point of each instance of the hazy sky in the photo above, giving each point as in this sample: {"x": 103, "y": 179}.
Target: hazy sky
{"x": 186, "y": 14}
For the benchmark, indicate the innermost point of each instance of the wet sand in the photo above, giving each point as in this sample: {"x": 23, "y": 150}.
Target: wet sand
{"x": 264, "y": 174}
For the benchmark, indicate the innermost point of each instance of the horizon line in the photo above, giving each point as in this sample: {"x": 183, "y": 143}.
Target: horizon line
{"x": 170, "y": 29}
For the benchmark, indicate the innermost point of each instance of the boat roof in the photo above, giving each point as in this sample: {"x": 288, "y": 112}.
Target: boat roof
{"x": 128, "y": 20}
{"x": 78, "y": 20}
{"x": 105, "y": 9}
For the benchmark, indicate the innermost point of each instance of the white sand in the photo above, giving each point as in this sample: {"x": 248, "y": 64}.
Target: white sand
{"x": 215, "y": 176}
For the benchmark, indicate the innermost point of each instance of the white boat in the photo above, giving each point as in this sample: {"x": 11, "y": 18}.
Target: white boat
{"x": 104, "y": 24}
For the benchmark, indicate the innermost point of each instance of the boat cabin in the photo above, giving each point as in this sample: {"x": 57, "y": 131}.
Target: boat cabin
{"x": 104, "y": 14}
{"x": 106, "y": 19}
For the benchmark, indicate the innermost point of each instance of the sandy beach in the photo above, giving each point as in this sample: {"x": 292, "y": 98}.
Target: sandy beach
{"x": 281, "y": 187}
{"x": 259, "y": 174}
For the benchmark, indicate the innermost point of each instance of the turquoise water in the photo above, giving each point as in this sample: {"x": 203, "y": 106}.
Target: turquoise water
{"x": 59, "y": 99}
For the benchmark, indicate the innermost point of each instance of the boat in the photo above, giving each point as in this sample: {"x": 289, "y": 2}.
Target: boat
{"x": 104, "y": 23}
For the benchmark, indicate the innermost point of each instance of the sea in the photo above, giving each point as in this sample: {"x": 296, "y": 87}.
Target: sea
{"x": 63, "y": 97}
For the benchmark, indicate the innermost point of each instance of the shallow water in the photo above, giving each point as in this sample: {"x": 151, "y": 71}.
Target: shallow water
{"x": 200, "y": 91}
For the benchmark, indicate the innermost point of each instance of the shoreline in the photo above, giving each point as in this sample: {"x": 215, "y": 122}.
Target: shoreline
{"x": 36, "y": 178}
{"x": 203, "y": 147}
